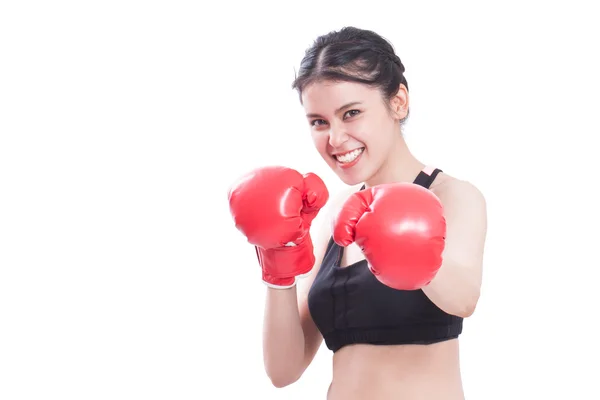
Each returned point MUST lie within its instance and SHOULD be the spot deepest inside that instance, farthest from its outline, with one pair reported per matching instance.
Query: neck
(401, 166)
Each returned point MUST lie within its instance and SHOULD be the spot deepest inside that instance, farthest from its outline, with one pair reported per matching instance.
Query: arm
(290, 337)
(456, 287)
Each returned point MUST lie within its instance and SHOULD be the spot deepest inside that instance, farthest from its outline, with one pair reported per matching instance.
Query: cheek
(320, 140)
(379, 134)
(365, 133)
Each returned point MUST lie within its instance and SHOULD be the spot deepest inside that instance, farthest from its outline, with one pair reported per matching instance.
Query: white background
(122, 124)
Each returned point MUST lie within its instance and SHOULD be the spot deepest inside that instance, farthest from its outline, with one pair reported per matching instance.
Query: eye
(352, 113)
(317, 122)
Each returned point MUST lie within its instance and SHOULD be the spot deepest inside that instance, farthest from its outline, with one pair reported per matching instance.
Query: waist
(384, 372)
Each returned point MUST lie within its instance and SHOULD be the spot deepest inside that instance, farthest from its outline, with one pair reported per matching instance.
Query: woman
(386, 342)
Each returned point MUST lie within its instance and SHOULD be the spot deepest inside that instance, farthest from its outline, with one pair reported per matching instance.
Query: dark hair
(354, 55)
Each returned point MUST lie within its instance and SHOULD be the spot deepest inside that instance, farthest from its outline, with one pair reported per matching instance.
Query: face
(352, 127)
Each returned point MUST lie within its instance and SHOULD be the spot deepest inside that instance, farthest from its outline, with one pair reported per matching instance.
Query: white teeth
(349, 157)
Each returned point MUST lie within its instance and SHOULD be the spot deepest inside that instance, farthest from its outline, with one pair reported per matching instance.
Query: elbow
(466, 311)
(467, 307)
(279, 384)
(280, 381)
(283, 369)
(282, 376)
(461, 304)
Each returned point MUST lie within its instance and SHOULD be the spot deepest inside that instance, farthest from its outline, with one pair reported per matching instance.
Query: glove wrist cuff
(278, 283)
(287, 262)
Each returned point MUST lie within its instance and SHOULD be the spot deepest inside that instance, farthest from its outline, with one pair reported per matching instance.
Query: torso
(400, 371)
(405, 372)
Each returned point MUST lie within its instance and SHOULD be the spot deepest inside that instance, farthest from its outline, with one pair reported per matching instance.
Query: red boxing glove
(401, 230)
(274, 208)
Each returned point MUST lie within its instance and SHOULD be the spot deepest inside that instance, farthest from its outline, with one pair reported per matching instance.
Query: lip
(350, 164)
(337, 153)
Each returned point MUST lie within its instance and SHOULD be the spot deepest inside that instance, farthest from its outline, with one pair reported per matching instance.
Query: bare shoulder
(466, 219)
(455, 193)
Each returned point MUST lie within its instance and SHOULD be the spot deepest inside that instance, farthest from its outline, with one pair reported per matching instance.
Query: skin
(344, 116)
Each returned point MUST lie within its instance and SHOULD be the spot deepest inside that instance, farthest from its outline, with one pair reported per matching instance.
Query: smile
(350, 156)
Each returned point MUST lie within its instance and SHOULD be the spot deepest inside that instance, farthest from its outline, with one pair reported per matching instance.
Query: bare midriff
(404, 372)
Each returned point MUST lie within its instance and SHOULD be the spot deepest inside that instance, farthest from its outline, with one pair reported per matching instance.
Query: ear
(399, 103)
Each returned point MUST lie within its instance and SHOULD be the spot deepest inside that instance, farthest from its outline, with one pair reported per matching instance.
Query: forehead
(326, 96)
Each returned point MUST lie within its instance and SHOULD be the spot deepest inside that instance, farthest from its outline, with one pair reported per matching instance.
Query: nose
(337, 136)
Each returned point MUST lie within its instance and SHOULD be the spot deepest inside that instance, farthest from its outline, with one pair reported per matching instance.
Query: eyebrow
(336, 111)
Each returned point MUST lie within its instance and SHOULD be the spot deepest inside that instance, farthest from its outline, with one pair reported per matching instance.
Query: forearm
(455, 289)
(283, 338)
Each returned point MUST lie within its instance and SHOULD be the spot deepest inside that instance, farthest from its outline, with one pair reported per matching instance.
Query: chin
(352, 174)
(350, 181)
(352, 177)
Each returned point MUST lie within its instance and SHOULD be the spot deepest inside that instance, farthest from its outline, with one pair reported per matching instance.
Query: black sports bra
(349, 305)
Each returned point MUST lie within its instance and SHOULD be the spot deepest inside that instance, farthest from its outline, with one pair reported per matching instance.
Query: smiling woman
(352, 82)
(395, 268)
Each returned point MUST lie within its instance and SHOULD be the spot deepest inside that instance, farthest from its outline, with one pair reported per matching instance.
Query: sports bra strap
(425, 177)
